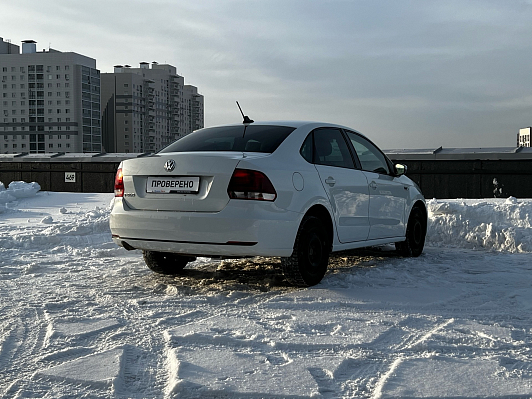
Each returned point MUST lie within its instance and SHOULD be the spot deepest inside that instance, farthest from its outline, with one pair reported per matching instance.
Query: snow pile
(493, 224)
(17, 189)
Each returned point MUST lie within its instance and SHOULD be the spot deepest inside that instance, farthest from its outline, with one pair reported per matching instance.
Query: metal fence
(469, 173)
(441, 173)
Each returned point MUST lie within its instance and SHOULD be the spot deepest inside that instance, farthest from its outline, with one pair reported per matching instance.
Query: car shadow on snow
(261, 274)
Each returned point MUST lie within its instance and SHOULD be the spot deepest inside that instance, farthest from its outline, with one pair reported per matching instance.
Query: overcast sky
(408, 74)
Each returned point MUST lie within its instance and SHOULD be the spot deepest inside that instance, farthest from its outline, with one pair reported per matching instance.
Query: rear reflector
(251, 185)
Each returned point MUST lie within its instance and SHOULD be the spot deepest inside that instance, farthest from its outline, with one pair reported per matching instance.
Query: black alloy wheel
(308, 263)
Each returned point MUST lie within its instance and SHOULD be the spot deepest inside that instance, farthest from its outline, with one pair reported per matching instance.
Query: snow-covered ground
(82, 318)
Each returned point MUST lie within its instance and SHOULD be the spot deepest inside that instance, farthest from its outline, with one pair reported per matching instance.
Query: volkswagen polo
(294, 190)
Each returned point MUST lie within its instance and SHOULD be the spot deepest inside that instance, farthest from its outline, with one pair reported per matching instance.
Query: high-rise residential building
(523, 137)
(49, 100)
(144, 109)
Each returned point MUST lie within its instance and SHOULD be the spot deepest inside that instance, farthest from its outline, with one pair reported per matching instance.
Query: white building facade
(49, 101)
(144, 109)
(523, 138)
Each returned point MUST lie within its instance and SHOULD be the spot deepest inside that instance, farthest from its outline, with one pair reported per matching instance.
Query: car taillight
(119, 183)
(251, 185)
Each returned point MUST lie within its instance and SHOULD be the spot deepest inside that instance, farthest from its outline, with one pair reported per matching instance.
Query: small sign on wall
(70, 177)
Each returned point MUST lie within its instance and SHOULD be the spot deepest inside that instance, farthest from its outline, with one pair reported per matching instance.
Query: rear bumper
(242, 228)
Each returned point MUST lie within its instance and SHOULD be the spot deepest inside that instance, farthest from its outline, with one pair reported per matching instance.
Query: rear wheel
(415, 234)
(308, 263)
(166, 262)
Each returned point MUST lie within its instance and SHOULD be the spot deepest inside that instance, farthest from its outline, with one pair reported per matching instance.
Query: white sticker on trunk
(181, 184)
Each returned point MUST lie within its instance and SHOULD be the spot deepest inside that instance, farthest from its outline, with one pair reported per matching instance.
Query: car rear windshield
(251, 138)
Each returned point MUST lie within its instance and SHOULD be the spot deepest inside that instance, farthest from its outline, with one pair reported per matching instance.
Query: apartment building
(144, 109)
(49, 100)
(523, 137)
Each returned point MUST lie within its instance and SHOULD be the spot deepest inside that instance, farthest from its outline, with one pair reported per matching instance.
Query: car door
(387, 194)
(346, 186)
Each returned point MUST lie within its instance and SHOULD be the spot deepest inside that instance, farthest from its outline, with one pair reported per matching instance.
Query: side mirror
(400, 169)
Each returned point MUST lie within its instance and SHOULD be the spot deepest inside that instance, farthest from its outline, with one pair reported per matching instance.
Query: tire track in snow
(23, 344)
(407, 346)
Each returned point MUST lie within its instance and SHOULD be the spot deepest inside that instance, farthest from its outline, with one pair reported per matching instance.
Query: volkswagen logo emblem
(169, 165)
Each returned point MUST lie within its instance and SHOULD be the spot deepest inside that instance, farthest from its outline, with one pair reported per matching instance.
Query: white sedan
(296, 190)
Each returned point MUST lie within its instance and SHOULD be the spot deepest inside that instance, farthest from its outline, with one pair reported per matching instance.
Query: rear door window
(330, 149)
(251, 138)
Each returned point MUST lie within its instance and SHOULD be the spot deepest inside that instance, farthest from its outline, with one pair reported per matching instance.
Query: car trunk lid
(213, 170)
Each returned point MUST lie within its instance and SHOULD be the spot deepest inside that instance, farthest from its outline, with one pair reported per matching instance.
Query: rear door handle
(330, 181)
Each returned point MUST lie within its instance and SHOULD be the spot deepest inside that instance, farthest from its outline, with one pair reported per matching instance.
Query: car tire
(416, 231)
(166, 262)
(308, 263)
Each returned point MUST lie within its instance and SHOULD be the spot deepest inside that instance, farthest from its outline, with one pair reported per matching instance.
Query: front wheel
(308, 263)
(166, 262)
(416, 231)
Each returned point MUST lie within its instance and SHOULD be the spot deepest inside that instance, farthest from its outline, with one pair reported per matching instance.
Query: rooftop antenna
(245, 117)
